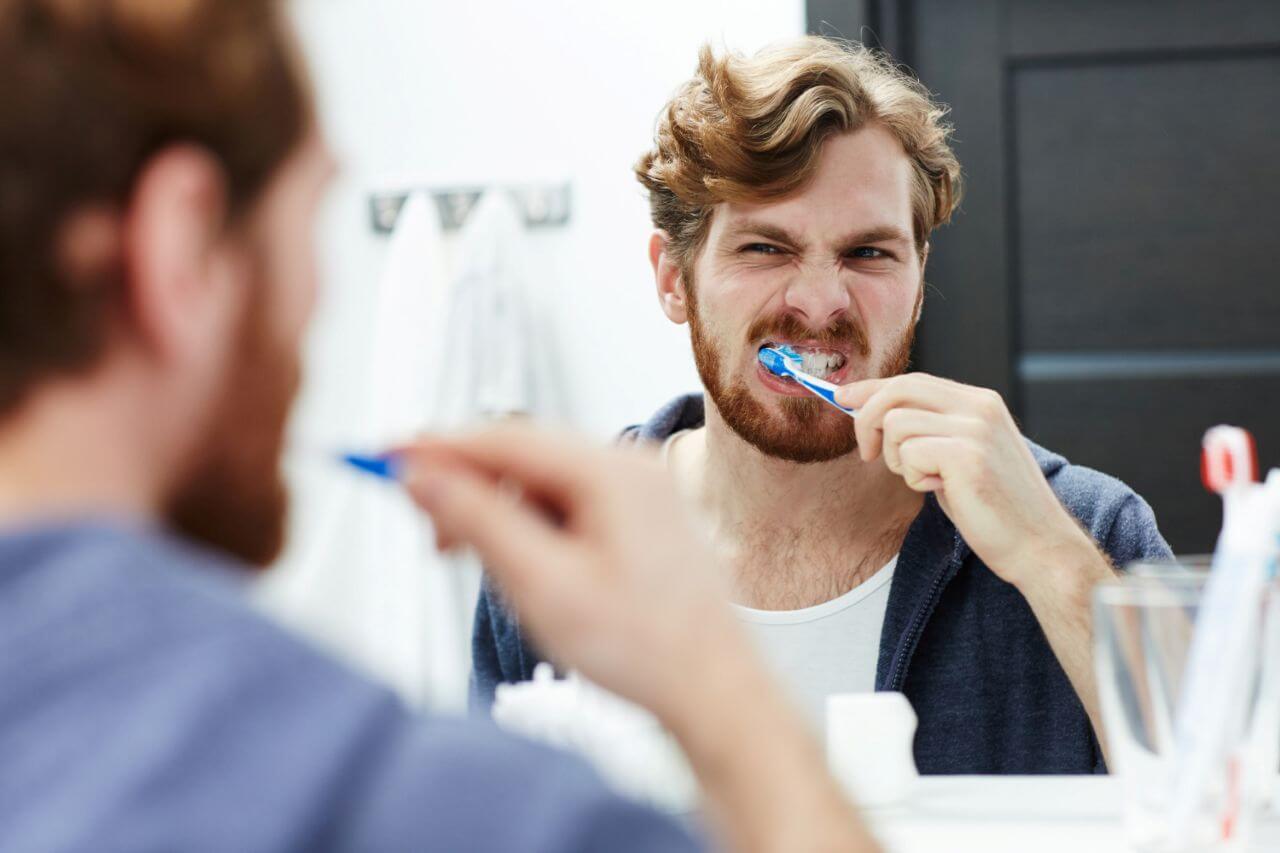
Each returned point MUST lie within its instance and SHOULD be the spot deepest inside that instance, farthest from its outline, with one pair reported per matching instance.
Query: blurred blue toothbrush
(384, 465)
(784, 361)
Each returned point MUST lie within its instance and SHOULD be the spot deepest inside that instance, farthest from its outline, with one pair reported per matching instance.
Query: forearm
(1060, 594)
(764, 778)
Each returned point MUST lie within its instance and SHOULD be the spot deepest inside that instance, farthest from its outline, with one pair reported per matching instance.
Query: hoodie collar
(684, 412)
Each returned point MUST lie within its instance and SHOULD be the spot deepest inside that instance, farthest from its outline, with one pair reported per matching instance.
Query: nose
(819, 296)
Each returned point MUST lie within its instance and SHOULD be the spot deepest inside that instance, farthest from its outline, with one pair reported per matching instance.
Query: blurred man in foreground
(159, 174)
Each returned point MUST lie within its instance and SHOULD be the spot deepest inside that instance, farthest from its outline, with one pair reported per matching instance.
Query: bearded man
(924, 546)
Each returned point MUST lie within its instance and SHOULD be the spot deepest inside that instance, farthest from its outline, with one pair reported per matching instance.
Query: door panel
(1112, 268)
(1146, 431)
(1142, 205)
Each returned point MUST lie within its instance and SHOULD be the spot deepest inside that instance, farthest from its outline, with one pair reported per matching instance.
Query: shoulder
(492, 791)
(144, 626)
(1117, 516)
(142, 660)
(688, 411)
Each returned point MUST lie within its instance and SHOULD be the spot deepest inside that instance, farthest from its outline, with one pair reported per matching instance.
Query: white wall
(479, 93)
(516, 90)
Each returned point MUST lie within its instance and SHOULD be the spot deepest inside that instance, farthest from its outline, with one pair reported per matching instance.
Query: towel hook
(540, 205)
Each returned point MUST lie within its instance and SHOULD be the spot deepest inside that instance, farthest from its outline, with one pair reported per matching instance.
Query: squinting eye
(868, 252)
(761, 248)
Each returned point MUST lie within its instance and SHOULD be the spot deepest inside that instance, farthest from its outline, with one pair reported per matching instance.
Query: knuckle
(992, 403)
(893, 421)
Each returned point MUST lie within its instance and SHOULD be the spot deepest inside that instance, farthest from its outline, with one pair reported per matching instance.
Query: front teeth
(821, 364)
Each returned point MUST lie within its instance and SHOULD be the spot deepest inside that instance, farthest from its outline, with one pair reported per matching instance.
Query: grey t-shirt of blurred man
(145, 706)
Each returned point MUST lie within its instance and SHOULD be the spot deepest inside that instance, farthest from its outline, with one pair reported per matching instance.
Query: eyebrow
(874, 234)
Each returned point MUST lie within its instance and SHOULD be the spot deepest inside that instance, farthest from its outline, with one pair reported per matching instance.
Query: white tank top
(829, 648)
(832, 647)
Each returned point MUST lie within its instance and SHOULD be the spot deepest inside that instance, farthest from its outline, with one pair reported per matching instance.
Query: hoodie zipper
(922, 615)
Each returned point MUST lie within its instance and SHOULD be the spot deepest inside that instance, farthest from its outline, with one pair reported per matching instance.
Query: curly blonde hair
(751, 129)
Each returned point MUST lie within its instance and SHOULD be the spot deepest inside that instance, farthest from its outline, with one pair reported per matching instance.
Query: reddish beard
(807, 429)
(233, 497)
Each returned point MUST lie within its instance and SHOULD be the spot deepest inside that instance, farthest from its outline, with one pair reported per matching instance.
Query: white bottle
(869, 746)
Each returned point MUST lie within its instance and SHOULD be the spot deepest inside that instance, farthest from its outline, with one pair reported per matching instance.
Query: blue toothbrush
(383, 465)
(784, 361)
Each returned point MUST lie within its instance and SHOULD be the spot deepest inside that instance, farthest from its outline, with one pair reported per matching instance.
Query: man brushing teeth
(925, 546)
(814, 360)
(827, 360)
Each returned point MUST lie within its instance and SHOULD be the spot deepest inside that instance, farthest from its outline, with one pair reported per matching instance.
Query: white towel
(487, 336)
(355, 576)
(368, 581)
(494, 371)
(409, 597)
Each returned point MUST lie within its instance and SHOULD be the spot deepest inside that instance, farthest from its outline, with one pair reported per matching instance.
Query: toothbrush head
(385, 465)
(779, 361)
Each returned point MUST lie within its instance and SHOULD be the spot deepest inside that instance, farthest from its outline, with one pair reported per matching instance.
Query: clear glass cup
(1142, 632)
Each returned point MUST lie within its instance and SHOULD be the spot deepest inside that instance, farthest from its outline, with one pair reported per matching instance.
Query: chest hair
(792, 566)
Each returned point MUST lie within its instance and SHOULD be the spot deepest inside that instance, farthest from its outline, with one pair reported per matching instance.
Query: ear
(183, 277)
(669, 279)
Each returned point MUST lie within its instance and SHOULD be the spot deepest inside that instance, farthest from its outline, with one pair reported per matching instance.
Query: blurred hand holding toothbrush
(593, 550)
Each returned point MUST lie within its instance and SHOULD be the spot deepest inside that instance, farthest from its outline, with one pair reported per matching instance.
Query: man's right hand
(594, 550)
(595, 555)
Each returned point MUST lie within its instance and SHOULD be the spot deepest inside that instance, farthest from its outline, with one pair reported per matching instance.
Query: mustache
(844, 330)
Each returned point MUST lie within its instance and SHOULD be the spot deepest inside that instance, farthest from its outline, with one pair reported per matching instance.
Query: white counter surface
(1018, 814)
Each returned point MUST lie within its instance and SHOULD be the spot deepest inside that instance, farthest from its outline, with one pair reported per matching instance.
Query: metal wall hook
(540, 205)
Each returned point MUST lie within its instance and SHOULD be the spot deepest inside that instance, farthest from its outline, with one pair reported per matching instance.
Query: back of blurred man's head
(159, 171)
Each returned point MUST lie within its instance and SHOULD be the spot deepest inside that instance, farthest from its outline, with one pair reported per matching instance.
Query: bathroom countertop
(1016, 814)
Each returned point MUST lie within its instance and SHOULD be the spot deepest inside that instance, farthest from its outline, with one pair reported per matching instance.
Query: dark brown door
(1112, 270)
